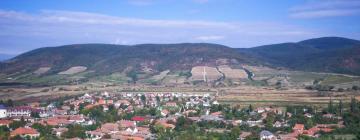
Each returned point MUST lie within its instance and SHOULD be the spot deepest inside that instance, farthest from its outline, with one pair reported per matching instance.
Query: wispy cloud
(24, 31)
(326, 8)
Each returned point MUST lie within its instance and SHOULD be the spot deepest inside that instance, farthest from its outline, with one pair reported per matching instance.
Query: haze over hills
(5, 56)
(328, 54)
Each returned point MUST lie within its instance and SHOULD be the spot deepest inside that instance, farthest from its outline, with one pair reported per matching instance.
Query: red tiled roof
(138, 118)
(216, 113)
(5, 122)
(23, 131)
(298, 127)
(126, 123)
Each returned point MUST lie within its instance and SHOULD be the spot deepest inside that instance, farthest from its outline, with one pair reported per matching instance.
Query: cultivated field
(211, 73)
(233, 73)
(245, 96)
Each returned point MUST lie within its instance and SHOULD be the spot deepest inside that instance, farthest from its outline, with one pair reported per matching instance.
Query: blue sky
(30, 24)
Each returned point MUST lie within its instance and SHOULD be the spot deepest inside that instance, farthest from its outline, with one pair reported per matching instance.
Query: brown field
(161, 75)
(233, 73)
(212, 73)
(74, 70)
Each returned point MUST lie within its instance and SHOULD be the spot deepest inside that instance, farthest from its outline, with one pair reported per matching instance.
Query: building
(25, 132)
(267, 135)
(20, 111)
(59, 131)
(3, 111)
(5, 122)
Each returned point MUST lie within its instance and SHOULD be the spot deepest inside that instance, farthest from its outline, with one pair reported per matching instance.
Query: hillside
(137, 62)
(328, 54)
(185, 63)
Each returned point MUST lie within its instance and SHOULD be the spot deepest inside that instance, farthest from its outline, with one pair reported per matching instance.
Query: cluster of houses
(170, 106)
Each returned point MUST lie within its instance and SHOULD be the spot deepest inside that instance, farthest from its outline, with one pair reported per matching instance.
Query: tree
(158, 99)
(4, 133)
(143, 98)
(17, 124)
(269, 120)
(75, 131)
(353, 105)
(355, 88)
(330, 106)
(35, 114)
(250, 108)
(341, 107)
(180, 123)
(234, 133)
(10, 103)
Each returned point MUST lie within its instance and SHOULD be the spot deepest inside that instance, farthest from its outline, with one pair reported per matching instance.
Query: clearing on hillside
(210, 73)
(42, 70)
(74, 70)
(233, 73)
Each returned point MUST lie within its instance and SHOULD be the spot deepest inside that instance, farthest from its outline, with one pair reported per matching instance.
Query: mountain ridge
(307, 55)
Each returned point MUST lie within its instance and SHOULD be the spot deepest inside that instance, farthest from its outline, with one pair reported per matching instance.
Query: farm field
(265, 96)
(233, 73)
(212, 73)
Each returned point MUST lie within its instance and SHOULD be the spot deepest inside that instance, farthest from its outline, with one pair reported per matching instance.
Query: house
(215, 103)
(267, 135)
(243, 135)
(19, 111)
(328, 116)
(216, 113)
(171, 104)
(164, 112)
(3, 111)
(164, 124)
(25, 132)
(260, 110)
(5, 122)
(277, 124)
(211, 118)
(127, 123)
(95, 135)
(110, 128)
(59, 131)
(298, 128)
(308, 115)
(138, 119)
(187, 112)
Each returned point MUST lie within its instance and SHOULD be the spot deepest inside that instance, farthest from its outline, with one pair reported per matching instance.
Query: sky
(29, 24)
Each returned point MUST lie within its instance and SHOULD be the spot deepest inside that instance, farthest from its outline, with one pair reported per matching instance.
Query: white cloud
(326, 8)
(52, 28)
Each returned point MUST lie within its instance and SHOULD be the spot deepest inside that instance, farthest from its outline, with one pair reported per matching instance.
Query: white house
(3, 111)
(19, 111)
(267, 135)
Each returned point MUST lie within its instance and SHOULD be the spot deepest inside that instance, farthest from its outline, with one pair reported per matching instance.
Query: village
(140, 116)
